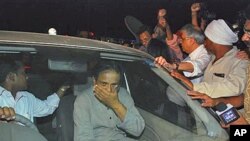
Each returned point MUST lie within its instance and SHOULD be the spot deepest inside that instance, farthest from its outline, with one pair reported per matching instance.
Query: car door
(167, 115)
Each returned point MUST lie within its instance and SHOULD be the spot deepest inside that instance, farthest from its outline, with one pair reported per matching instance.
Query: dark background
(103, 17)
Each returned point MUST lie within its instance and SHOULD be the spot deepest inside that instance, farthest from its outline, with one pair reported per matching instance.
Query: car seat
(64, 118)
(64, 113)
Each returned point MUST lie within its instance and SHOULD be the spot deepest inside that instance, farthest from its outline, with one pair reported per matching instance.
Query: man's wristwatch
(176, 66)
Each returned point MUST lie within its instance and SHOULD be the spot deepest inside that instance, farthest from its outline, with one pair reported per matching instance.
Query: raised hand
(162, 22)
(195, 7)
(162, 12)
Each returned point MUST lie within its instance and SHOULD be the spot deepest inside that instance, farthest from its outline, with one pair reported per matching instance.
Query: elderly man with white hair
(225, 75)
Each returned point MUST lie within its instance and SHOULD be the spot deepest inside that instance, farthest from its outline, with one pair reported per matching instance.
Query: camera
(226, 112)
(205, 13)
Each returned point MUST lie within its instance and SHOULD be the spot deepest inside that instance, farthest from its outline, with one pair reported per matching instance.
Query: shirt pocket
(218, 77)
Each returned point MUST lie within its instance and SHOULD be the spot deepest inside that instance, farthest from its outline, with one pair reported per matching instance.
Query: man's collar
(3, 91)
(196, 51)
(8, 93)
(232, 50)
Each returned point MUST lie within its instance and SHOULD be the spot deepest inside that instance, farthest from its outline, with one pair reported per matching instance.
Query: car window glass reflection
(150, 94)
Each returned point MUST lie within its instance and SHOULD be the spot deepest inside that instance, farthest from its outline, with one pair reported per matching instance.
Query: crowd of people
(215, 70)
(212, 67)
(205, 56)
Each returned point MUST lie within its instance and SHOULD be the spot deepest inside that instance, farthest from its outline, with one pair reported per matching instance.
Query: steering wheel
(25, 121)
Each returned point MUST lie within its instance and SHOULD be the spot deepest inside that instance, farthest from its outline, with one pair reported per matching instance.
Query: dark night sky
(104, 17)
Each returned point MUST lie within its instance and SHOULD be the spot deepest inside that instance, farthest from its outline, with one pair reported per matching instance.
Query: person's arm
(46, 107)
(207, 101)
(203, 24)
(197, 66)
(186, 66)
(236, 101)
(169, 32)
(171, 39)
(61, 91)
(162, 62)
(133, 122)
(194, 14)
(163, 23)
(83, 129)
(185, 80)
(182, 66)
(174, 45)
(194, 67)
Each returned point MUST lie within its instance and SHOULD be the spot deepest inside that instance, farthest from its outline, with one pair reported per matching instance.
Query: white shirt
(199, 58)
(224, 78)
(27, 105)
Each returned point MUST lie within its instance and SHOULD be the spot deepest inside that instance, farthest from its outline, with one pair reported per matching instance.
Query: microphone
(226, 112)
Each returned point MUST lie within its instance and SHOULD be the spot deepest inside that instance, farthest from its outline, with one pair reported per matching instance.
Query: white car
(170, 114)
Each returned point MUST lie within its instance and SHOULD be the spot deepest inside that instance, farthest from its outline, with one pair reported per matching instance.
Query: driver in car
(106, 111)
(15, 99)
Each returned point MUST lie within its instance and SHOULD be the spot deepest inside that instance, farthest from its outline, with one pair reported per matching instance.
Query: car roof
(41, 39)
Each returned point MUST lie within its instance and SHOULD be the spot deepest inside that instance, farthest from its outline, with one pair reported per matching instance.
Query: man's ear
(11, 77)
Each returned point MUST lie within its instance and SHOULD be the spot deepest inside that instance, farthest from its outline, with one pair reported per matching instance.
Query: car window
(152, 94)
